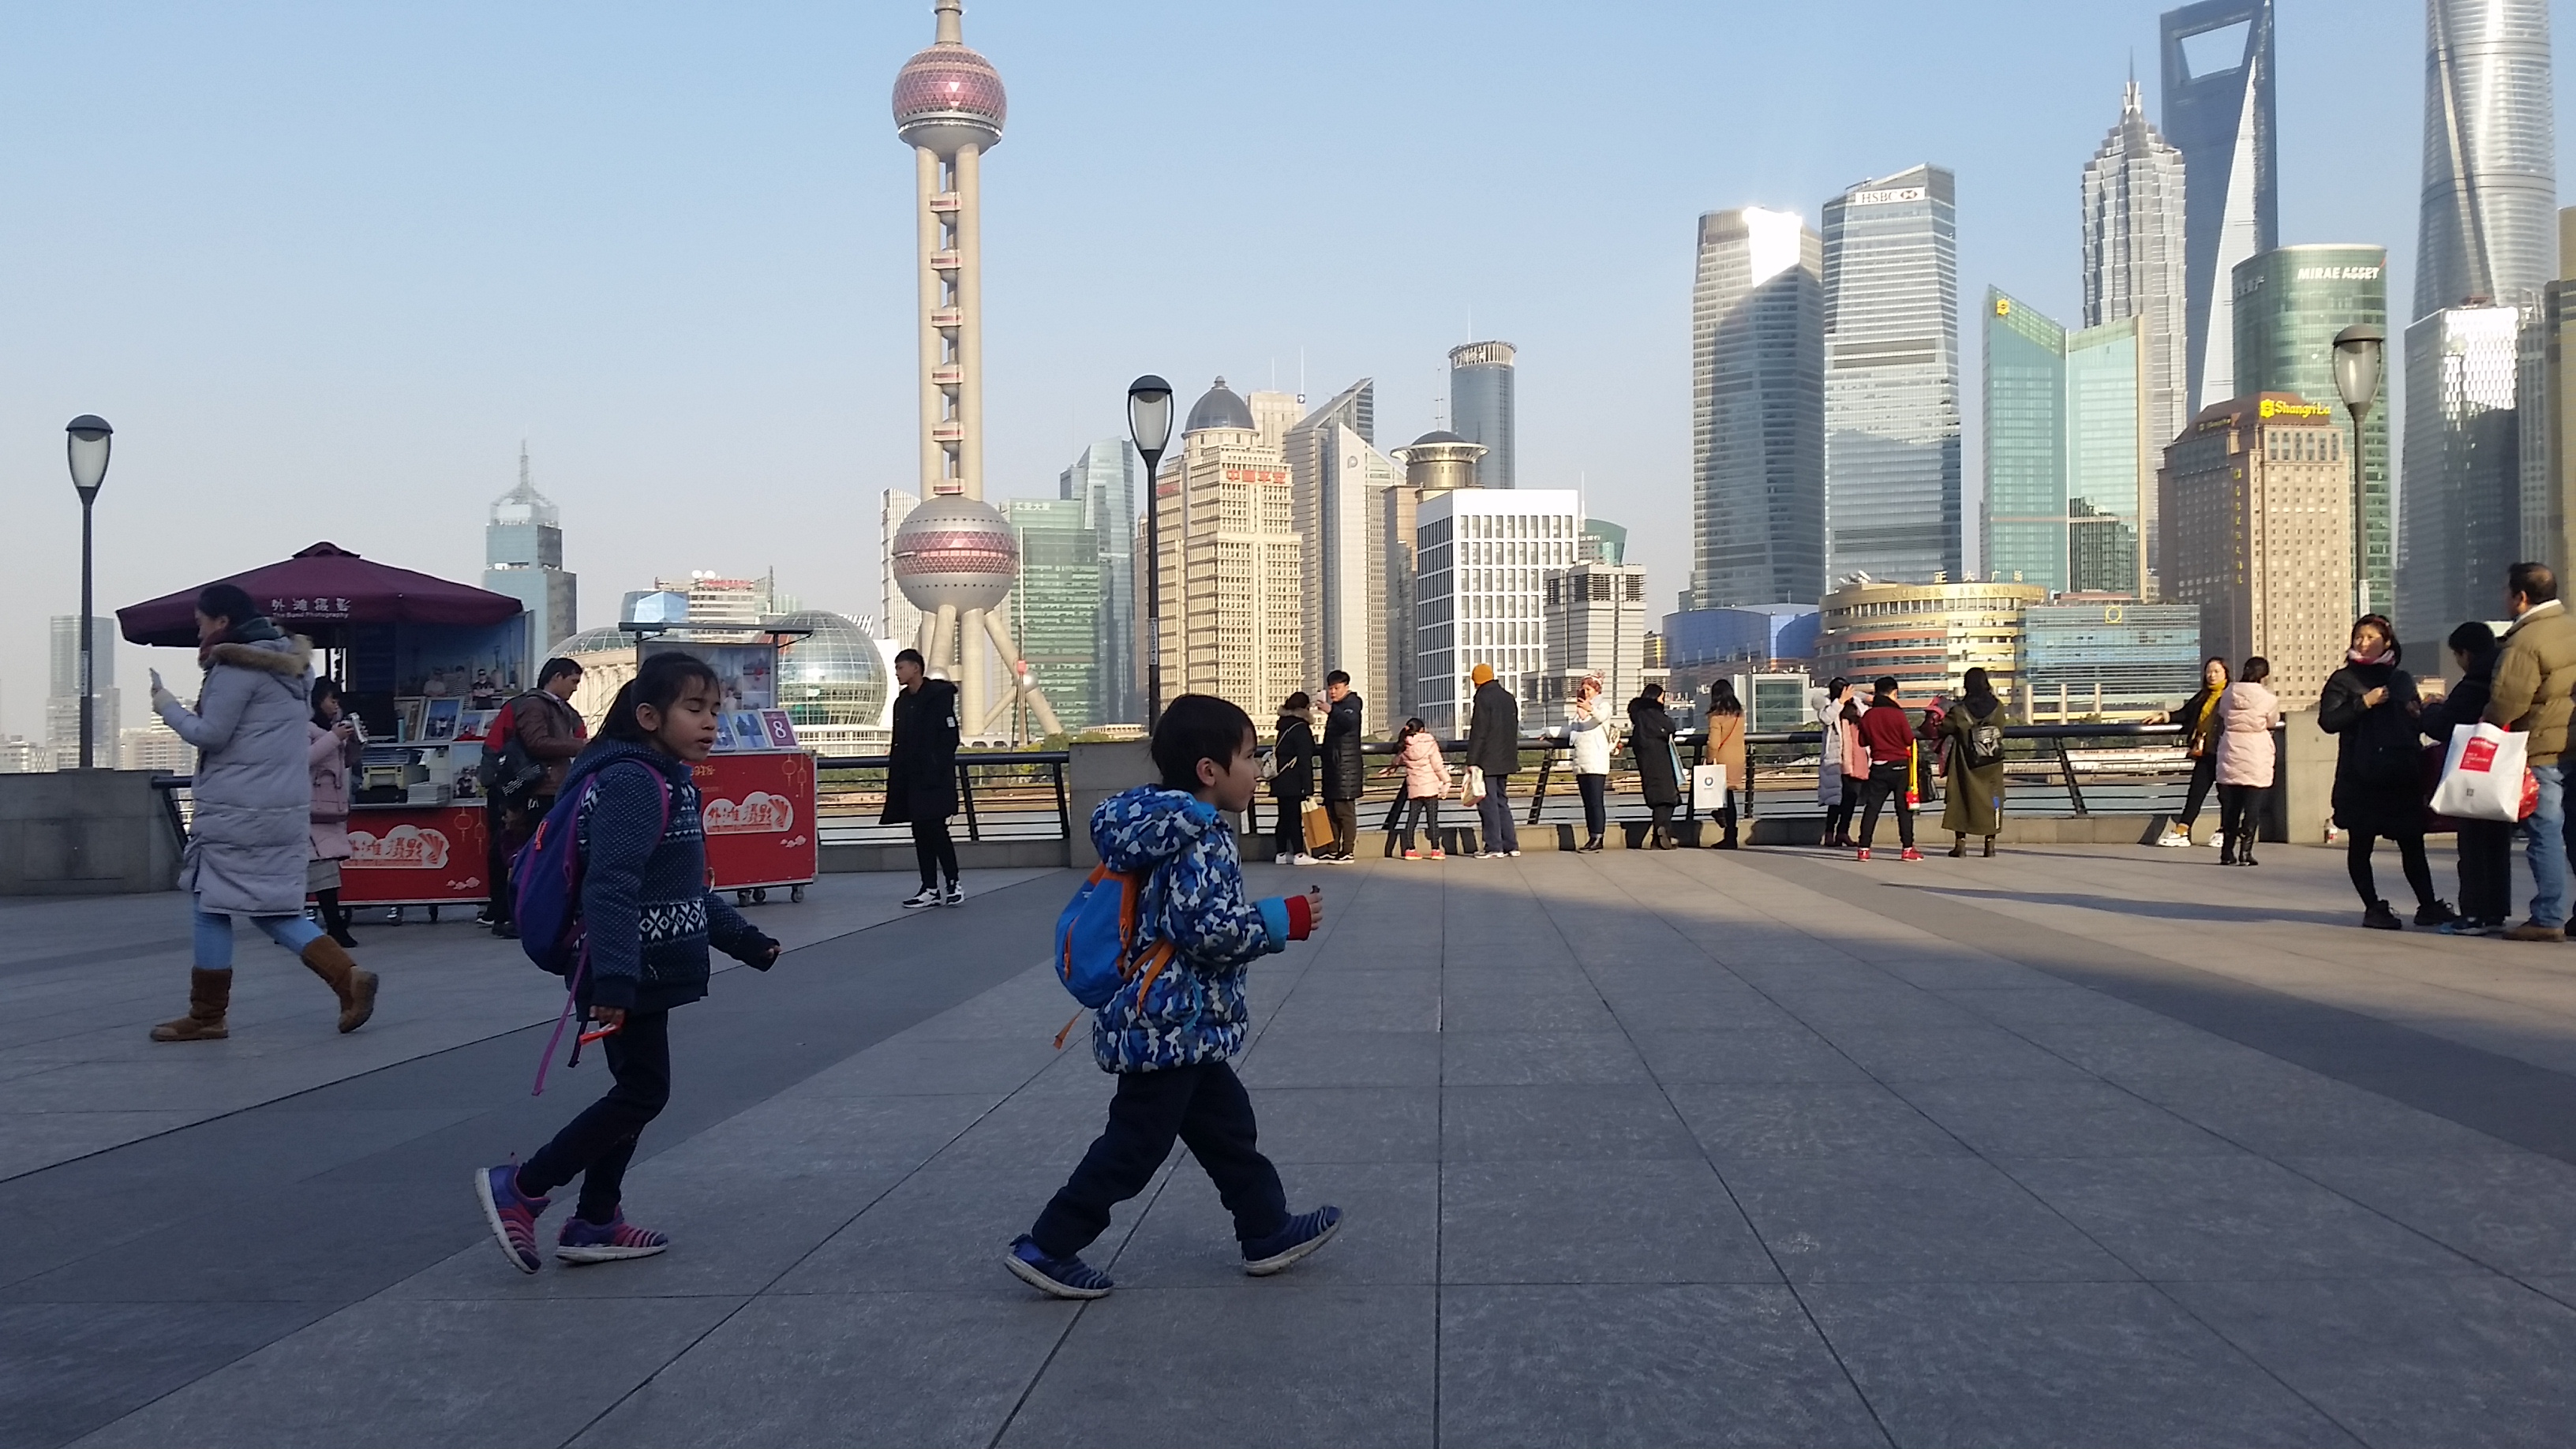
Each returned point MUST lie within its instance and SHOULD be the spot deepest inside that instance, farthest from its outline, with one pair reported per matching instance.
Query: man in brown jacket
(549, 731)
(2535, 692)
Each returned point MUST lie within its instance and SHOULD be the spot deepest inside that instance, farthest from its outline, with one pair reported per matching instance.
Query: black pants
(936, 852)
(1346, 825)
(597, 1145)
(2410, 854)
(2486, 869)
(2204, 773)
(1887, 782)
(496, 860)
(1660, 828)
(1595, 790)
(511, 827)
(2237, 805)
(335, 916)
(1422, 812)
(1726, 818)
(1291, 834)
(1205, 1107)
(1838, 816)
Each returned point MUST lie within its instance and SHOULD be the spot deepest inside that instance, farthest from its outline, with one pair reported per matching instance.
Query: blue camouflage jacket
(1193, 1011)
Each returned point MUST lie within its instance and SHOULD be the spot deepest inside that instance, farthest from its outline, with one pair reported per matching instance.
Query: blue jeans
(2544, 845)
(1495, 812)
(214, 936)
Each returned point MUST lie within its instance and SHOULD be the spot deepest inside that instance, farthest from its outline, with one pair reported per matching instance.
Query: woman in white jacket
(1588, 729)
(2247, 714)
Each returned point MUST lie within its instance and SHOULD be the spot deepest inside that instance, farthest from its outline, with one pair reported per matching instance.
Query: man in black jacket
(1342, 770)
(1494, 749)
(921, 776)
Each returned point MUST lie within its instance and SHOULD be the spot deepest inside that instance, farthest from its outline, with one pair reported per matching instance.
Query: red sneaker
(1864, 852)
(1911, 854)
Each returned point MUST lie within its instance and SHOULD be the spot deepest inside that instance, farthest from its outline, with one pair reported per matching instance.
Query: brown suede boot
(355, 988)
(209, 994)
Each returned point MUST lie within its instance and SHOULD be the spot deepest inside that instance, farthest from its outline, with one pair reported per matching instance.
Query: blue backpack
(545, 881)
(1095, 941)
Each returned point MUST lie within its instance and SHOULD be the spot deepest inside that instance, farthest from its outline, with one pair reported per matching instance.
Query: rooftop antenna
(1301, 376)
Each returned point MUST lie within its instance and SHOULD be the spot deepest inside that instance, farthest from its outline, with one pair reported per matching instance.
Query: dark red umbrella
(325, 588)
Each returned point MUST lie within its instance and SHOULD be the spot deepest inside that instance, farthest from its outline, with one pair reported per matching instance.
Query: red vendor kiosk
(758, 788)
(423, 664)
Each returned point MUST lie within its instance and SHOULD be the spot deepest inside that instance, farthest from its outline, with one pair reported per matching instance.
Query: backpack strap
(581, 963)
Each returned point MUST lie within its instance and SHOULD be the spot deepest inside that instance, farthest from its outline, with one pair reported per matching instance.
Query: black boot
(1958, 846)
(335, 917)
(2435, 913)
(1990, 847)
(2380, 918)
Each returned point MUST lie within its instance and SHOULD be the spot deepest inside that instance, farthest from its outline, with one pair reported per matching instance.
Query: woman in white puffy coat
(1588, 729)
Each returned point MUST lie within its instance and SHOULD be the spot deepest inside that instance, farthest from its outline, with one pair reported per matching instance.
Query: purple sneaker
(583, 1241)
(1304, 1234)
(512, 1214)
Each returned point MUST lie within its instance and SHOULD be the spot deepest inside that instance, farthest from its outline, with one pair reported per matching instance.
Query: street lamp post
(2359, 351)
(1149, 423)
(89, 440)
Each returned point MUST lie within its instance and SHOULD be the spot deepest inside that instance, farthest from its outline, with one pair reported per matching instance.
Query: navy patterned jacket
(645, 903)
(1193, 1010)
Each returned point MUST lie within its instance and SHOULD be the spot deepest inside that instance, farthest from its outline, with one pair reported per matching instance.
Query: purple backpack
(545, 880)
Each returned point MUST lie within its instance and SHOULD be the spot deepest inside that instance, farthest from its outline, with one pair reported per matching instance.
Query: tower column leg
(970, 668)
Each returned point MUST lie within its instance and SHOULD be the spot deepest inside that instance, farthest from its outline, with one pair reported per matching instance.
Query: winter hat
(1483, 674)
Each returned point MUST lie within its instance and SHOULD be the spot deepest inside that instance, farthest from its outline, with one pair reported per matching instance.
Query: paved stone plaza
(2101, 1146)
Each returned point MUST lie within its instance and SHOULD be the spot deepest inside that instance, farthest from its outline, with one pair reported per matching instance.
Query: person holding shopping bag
(2486, 846)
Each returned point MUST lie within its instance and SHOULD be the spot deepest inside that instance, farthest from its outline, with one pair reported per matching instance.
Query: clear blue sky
(323, 264)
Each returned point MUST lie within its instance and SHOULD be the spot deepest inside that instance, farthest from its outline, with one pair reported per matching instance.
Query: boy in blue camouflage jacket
(1170, 1036)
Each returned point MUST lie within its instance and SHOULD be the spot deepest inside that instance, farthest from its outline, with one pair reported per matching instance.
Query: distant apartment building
(2258, 535)
(1593, 625)
(1757, 410)
(2104, 658)
(1233, 569)
(1481, 597)
(1893, 493)
(155, 746)
(1927, 636)
(1342, 485)
(20, 755)
(63, 695)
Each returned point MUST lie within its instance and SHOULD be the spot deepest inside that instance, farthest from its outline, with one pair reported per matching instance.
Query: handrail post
(2066, 763)
(966, 793)
(1538, 797)
(1063, 802)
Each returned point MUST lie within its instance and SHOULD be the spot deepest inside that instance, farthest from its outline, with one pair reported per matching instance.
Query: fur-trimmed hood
(290, 654)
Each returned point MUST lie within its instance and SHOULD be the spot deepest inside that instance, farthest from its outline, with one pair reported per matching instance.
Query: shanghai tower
(2218, 113)
(2489, 228)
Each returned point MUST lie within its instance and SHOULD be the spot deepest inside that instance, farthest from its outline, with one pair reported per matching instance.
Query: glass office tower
(1055, 604)
(2218, 113)
(2066, 456)
(1757, 411)
(2490, 155)
(1480, 407)
(1108, 481)
(2462, 509)
(2290, 302)
(1892, 462)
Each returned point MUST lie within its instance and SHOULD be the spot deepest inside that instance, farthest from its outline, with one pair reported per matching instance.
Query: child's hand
(1314, 907)
(766, 956)
(608, 1015)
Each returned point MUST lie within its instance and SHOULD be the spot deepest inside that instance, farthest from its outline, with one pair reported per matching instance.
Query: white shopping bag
(1708, 788)
(2482, 775)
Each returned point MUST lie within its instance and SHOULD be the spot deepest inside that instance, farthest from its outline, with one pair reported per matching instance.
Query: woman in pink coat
(2247, 714)
(1426, 779)
(332, 747)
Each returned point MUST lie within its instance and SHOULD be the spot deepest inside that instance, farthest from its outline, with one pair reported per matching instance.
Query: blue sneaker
(2471, 926)
(1055, 1277)
(615, 1240)
(1304, 1234)
(511, 1214)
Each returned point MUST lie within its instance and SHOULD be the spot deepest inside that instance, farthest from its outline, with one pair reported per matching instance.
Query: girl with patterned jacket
(1171, 1031)
(647, 918)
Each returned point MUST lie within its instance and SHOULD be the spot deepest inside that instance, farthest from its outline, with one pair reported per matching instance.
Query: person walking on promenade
(1659, 768)
(1726, 747)
(537, 734)
(2370, 706)
(331, 748)
(1170, 1034)
(2534, 692)
(2199, 720)
(1426, 779)
(921, 777)
(1494, 751)
(1972, 743)
(647, 916)
(1292, 775)
(2486, 846)
(253, 828)
(1890, 738)
(1588, 736)
(1345, 776)
(1844, 757)
(2247, 714)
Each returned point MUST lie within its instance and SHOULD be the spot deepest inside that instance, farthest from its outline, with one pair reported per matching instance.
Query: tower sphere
(948, 97)
(953, 552)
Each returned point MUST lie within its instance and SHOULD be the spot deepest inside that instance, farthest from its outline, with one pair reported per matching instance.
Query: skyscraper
(2462, 518)
(1757, 410)
(2068, 462)
(1341, 480)
(897, 617)
(2134, 248)
(2218, 113)
(1056, 603)
(1107, 480)
(1891, 286)
(2289, 304)
(2490, 155)
(63, 696)
(1486, 554)
(2258, 533)
(1234, 575)
(1480, 407)
(523, 558)
(2545, 397)
(1438, 462)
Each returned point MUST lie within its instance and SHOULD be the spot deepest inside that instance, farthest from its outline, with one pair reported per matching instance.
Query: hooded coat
(1345, 776)
(2378, 779)
(921, 769)
(1426, 770)
(1294, 776)
(1193, 1010)
(253, 790)
(2246, 714)
(1650, 735)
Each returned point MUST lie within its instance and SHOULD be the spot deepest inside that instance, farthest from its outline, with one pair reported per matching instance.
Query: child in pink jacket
(1426, 779)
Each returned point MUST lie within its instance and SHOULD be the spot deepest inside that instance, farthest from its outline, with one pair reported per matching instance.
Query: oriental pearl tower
(955, 557)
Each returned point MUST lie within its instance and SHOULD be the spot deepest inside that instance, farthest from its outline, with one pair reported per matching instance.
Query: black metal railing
(1003, 795)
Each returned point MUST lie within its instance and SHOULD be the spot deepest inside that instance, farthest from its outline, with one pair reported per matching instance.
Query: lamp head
(88, 447)
(1149, 415)
(2359, 351)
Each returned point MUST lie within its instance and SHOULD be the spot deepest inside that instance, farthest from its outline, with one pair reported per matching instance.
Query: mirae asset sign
(1882, 198)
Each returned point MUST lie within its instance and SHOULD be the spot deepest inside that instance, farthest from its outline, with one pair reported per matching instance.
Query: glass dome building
(833, 682)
